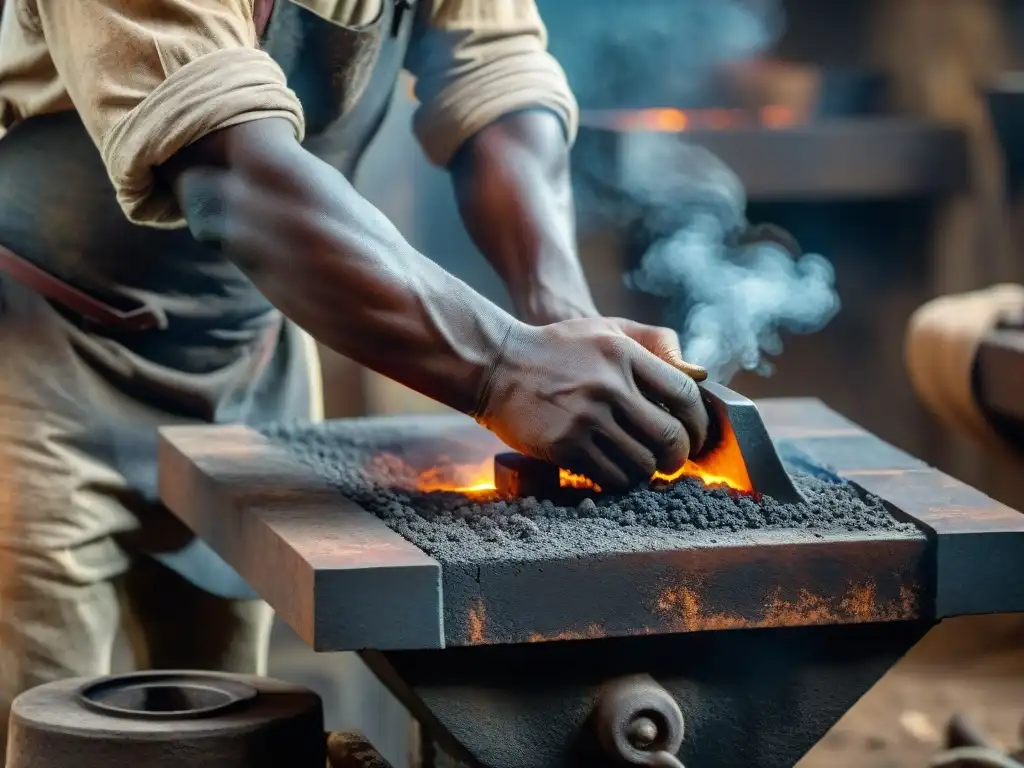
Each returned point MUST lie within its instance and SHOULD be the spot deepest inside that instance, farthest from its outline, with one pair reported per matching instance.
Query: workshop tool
(167, 719)
(738, 450)
(967, 746)
(522, 655)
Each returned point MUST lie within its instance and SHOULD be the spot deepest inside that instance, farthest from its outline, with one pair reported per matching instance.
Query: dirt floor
(974, 666)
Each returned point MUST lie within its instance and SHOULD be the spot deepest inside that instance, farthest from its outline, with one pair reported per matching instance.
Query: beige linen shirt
(149, 77)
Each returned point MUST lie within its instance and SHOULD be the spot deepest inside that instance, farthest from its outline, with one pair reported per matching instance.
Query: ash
(456, 528)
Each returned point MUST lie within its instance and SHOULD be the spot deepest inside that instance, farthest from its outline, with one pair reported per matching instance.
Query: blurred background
(887, 136)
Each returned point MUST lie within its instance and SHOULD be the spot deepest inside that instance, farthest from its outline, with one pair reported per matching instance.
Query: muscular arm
(197, 125)
(496, 110)
(515, 196)
(333, 263)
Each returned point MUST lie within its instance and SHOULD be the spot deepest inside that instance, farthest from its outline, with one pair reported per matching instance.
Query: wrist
(511, 338)
(543, 305)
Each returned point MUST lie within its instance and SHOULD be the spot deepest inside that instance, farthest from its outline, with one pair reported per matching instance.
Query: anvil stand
(760, 644)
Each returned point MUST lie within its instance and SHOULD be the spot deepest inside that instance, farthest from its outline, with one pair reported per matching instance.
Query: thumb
(663, 343)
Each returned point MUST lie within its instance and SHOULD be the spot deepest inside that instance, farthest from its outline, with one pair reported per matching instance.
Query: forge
(683, 621)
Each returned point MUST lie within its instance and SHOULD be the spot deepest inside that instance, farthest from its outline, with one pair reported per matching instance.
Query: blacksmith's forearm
(334, 264)
(514, 189)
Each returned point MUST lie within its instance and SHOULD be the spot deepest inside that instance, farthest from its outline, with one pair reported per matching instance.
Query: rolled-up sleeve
(150, 77)
(476, 61)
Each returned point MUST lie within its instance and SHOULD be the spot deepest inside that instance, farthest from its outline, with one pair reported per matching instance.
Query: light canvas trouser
(71, 527)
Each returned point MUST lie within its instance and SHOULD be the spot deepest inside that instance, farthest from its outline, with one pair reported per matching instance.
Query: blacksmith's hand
(609, 398)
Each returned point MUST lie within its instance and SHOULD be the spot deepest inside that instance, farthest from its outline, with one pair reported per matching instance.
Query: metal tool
(738, 447)
(638, 723)
(739, 438)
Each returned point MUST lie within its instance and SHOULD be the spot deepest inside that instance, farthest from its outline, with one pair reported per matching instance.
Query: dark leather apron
(159, 294)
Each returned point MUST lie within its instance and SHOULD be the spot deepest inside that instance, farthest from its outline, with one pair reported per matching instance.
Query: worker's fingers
(594, 464)
(662, 433)
(587, 459)
(662, 342)
(676, 391)
(632, 456)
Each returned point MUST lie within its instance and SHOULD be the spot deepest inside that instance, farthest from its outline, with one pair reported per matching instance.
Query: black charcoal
(459, 528)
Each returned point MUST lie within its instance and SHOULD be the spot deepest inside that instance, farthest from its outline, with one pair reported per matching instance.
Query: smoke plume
(729, 300)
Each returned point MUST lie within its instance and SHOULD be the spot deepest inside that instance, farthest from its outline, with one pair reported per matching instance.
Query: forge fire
(513, 475)
(446, 503)
(720, 469)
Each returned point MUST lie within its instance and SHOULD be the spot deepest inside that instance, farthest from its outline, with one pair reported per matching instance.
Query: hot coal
(455, 527)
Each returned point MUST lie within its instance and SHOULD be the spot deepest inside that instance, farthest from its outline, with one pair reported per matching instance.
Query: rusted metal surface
(975, 540)
(284, 521)
(763, 637)
(765, 581)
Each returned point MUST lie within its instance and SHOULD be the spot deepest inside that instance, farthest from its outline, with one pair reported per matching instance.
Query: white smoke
(729, 302)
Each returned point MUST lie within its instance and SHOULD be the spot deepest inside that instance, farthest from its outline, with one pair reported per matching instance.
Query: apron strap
(28, 274)
(261, 11)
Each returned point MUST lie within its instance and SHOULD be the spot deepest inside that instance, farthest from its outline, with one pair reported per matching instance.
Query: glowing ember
(668, 120)
(567, 479)
(459, 478)
(722, 467)
(710, 479)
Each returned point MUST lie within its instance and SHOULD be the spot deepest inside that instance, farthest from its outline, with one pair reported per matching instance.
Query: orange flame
(459, 478)
(670, 120)
(722, 467)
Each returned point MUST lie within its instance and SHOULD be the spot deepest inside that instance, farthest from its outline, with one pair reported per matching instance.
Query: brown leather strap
(261, 11)
(28, 274)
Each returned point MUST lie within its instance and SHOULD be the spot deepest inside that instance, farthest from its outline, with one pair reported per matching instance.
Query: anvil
(763, 639)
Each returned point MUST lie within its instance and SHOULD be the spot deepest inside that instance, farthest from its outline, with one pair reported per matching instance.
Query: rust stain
(910, 606)
(593, 632)
(477, 623)
(682, 610)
